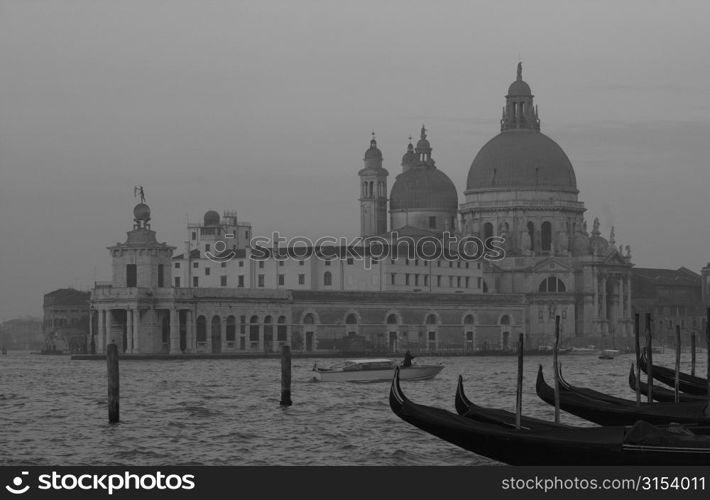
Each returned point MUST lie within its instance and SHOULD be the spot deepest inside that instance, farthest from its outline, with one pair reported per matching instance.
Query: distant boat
(579, 351)
(373, 370)
(608, 353)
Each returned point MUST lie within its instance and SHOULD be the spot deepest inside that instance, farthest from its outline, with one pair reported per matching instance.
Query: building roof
(67, 297)
(521, 159)
(423, 187)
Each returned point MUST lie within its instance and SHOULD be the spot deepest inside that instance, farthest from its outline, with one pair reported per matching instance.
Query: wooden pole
(676, 392)
(113, 386)
(637, 342)
(555, 367)
(519, 393)
(692, 354)
(286, 376)
(707, 347)
(649, 355)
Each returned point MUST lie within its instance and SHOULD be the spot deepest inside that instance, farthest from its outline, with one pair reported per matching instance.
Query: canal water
(53, 411)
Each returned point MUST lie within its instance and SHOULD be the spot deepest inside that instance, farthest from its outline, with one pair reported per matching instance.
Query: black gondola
(689, 384)
(641, 444)
(625, 413)
(467, 408)
(661, 393)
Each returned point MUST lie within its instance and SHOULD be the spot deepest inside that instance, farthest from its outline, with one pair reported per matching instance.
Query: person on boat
(407, 360)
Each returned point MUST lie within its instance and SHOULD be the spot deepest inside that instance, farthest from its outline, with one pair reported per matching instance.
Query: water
(53, 411)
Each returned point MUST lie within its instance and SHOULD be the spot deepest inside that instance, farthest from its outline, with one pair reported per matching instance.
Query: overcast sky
(266, 107)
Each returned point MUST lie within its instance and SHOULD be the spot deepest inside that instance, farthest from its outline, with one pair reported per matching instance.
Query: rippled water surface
(53, 411)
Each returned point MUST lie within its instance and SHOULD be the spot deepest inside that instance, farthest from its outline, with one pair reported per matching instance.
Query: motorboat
(374, 370)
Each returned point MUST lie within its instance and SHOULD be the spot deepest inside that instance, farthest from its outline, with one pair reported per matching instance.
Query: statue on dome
(628, 251)
(611, 235)
(138, 191)
(595, 227)
(520, 70)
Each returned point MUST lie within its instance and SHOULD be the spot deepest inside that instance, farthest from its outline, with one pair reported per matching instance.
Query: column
(595, 280)
(223, 334)
(604, 325)
(136, 329)
(109, 327)
(629, 311)
(620, 315)
(174, 332)
(129, 330)
(100, 338)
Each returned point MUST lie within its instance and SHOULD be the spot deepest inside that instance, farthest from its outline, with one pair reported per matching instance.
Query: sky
(266, 107)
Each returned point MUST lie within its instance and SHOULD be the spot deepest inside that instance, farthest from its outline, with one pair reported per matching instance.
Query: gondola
(609, 413)
(661, 393)
(591, 393)
(641, 444)
(466, 408)
(689, 384)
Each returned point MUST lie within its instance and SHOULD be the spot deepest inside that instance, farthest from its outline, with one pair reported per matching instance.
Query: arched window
(327, 279)
(308, 319)
(201, 329)
(531, 233)
(281, 330)
(487, 230)
(254, 329)
(505, 320)
(392, 319)
(546, 236)
(552, 285)
(468, 320)
(431, 319)
(231, 328)
(351, 319)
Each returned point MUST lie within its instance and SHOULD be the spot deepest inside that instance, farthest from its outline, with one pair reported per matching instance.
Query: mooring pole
(692, 354)
(707, 347)
(637, 345)
(649, 355)
(555, 367)
(519, 393)
(286, 376)
(677, 363)
(113, 386)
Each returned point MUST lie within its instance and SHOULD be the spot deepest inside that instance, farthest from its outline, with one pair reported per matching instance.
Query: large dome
(423, 187)
(522, 158)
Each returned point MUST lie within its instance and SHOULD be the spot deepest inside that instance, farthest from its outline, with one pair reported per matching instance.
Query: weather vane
(138, 191)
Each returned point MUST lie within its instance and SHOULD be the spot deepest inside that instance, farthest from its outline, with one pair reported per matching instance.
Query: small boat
(661, 394)
(619, 411)
(608, 353)
(640, 444)
(688, 383)
(581, 351)
(373, 370)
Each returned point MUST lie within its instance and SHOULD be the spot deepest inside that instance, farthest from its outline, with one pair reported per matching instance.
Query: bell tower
(373, 193)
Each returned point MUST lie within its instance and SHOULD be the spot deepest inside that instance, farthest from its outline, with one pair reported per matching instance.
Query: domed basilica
(521, 186)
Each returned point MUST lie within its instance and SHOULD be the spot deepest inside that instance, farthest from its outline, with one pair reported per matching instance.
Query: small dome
(520, 159)
(423, 187)
(211, 218)
(409, 158)
(519, 87)
(141, 212)
(373, 153)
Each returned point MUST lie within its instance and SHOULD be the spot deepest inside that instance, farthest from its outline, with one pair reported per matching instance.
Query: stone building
(66, 320)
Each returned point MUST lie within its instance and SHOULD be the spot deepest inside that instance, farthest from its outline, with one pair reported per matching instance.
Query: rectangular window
(281, 263)
(161, 276)
(260, 279)
(301, 279)
(406, 279)
(468, 281)
(438, 281)
(416, 280)
(261, 264)
(131, 275)
(300, 262)
(207, 271)
(432, 222)
(223, 281)
(195, 282)
(478, 282)
(451, 281)
(241, 263)
(177, 265)
(458, 282)
(240, 283)
(224, 264)
(350, 261)
(207, 247)
(451, 264)
(327, 262)
(195, 265)
(282, 279)
(466, 265)
(393, 279)
(177, 281)
(426, 280)
(194, 235)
